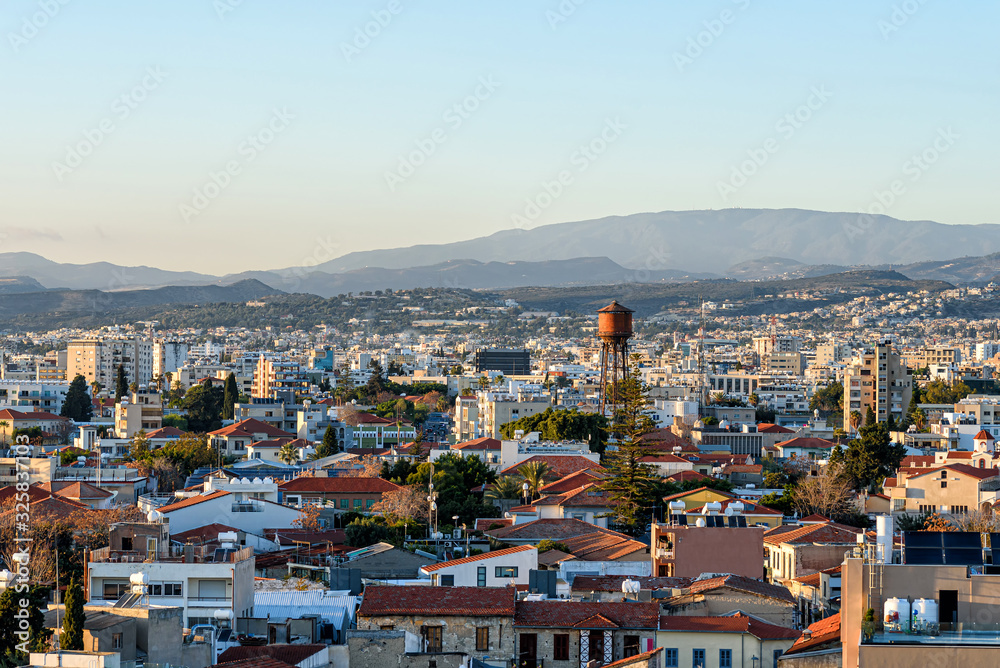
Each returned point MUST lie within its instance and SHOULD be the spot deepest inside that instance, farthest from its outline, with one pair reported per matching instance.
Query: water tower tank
(925, 610)
(614, 322)
(897, 615)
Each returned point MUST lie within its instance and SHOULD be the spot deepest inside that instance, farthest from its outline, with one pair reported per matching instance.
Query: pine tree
(77, 405)
(329, 446)
(229, 398)
(630, 483)
(121, 384)
(72, 631)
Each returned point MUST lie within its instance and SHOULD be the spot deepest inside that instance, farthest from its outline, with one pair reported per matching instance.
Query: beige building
(932, 355)
(953, 489)
(141, 411)
(497, 409)
(784, 363)
(877, 379)
(792, 552)
(466, 418)
(831, 353)
(274, 376)
(98, 359)
(736, 640)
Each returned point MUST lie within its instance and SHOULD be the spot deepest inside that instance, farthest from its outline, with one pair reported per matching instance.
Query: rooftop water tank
(897, 615)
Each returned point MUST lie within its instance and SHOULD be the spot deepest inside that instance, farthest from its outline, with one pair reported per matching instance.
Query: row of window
(671, 658)
(115, 590)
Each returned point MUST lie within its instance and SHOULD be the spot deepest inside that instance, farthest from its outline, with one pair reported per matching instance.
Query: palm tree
(288, 454)
(534, 474)
(498, 381)
(484, 382)
(3, 430)
(855, 419)
(919, 419)
(96, 388)
(718, 397)
(753, 398)
(506, 487)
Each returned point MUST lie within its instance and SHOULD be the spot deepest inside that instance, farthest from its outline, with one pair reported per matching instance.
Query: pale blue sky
(683, 127)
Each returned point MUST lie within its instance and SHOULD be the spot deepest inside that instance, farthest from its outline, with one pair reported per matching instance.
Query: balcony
(179, 554)
(248, 507)
(663, 553)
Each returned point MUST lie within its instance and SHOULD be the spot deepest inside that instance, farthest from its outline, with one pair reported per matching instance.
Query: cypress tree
(77, 405)
(72, 631)
(121, 384)
(229, 398)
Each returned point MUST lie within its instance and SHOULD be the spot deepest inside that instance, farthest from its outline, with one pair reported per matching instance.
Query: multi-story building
(98, 360)
(877, 379)
(933, 356)
(831, 353)
(793, 364)
(141, 411)
(765, 345)
(466, 418)
(168, 356)
(44, 395)
(276, 377)
(507, 361)
(498, 408)
(688, 550)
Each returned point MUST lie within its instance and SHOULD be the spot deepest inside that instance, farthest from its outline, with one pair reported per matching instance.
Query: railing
(662, 553)
(246, 507)
(155, 500)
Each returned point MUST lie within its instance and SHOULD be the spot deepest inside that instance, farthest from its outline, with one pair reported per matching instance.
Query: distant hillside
(72, 303)
(17, 284)
(93, 276)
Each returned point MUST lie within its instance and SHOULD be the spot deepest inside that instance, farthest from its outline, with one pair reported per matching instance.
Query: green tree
(204, 408)
(506, 487)
(366, 531)
(71, 637)
(563, 425)
(230, 395)
(10, 607)
(534, 474)
(174, 420)
(121, 384)
(547, 544)
(288, 454)
(77, 405)
(828, 399)
(869, 459)
(329, 445)
(630, 483)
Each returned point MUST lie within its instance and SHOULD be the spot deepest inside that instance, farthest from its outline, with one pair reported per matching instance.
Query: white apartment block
(45, 395)
(168, 356)
(99, 358)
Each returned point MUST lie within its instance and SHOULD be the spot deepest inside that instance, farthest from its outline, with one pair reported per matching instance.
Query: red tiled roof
(430, 568)
(586, 614)
(484, 443)
(338, 485)
(814, 533)
(602, 546)
(821, 632)
(965, 469)
(983, 435)
(636, 658)
(191, 501)
(768, 428)
(204, 534)
(572, 481)
(75, 490)
(806, 442)
(737, 623)
(251, 426)
(663, 458)
(560, 466)
(814, 518)
(288, 654)
(557, 529)
(165, 432)
(254, 662)
(744, 584)
(11, 414)
(482, 524)
(682, 476)
(437, 601)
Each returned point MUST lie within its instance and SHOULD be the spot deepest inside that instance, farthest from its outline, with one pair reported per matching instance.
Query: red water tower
(614, 329)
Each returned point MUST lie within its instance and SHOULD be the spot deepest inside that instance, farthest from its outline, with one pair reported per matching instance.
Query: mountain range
(666, 247)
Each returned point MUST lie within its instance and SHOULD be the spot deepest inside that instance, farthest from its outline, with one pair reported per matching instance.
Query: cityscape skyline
(226, 123)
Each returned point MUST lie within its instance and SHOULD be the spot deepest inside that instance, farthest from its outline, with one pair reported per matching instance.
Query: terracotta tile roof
(251, 426)
(916, 461)
(613, 583)
(814, 518)
(437, 601)
(806, 442)
(578, 614)
(964, 469)
(572, 481)
(814, 533)
(165, 432)
(560, 466)
(253, 662)
(742, 468)
(637, 658)
(11, 414)
(289, 654)
(744, 584)
(557, 529)
(484, 524)
(663, 458)
(811, 580)
(681, 495)
(484, 443)
(338, 485)
(588, 495)
(430, 568)
(74, 490)
(601, 546)
(191, 501)
(737, 623)
(768, 428)
(821, 632)
(682, 476)
(204, 534)
(983, 435)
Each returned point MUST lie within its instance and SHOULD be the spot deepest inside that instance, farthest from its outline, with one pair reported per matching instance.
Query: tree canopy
(77, 405)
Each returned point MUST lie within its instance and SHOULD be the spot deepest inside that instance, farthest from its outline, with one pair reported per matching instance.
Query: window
(345, 504)
(596, 646)
(698, 658)
(113, 590)
(116, 641)
(126, 544)
(506, 571)
(944, 483)
(432, 635)
(173, 589)
(898, 505)
(777, 655)
(357, 504)
(369, 503)
(725, 658)
(448, 580)
(630, 646)
(561, 650)
(481, 576)
(671, 657)
(388, 627)
(482, 638)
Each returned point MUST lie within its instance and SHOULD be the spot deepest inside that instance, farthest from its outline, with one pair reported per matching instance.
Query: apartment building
(98, 359)
(933, 356)
(168, 356)
(141, 411)
(498, 408)
(466, 418)
(765, 345)
(276, 377)
(793, 364)
(877, 379)
(831, 353)
(44, 395)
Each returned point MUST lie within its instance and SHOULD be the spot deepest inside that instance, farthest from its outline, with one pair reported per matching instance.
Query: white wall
(466, 575)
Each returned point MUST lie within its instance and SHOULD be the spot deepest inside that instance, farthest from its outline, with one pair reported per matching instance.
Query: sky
(225, 135)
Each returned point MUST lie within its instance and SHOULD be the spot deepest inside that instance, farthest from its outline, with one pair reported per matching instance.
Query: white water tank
(883, 538)
(897, 615)
(139, 578)
(712, 508)
(738, 507)
(630, 586)
(676, 507)
(700, 522)
(925, 610)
